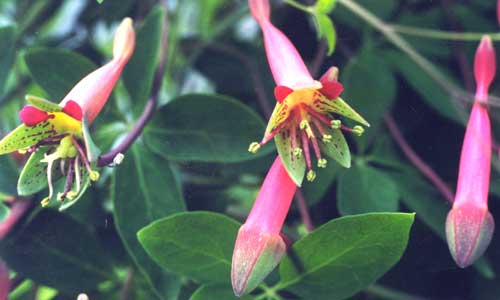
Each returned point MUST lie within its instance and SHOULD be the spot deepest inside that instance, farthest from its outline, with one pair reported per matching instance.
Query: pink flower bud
(469, 226)
(259, 245)
(92, 92)
(484, 67)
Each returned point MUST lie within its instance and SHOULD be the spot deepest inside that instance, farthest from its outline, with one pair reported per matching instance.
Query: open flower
(306, 111)
(469, 226)
(259, 245)
(57, 135)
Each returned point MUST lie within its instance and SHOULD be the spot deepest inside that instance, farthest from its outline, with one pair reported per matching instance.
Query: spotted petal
(295, 167)
(337, 106)
(33, 177)
(337, 148)
(43, 104)
(280, 114)
(26, 136)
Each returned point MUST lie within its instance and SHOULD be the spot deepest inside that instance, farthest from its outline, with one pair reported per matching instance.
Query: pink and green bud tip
(470, 226)
(259, 244)
(305, 120)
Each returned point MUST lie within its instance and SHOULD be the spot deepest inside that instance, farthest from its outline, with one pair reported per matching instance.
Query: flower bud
(124, 42)
(469, 228)
(484, 67)
(259, 244)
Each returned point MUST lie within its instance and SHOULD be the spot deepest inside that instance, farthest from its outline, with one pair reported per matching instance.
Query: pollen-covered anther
(45, 202)
(311, 175)
(326, 138)
(61, 197)
(297, 153)
(94, 175)
(304, 125)
(358, 130)
(254, 147)
(335, 124)
(322, 163)
(71, 195)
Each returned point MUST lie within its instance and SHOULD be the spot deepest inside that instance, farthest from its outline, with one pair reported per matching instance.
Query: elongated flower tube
(259, 245)
(470, 226)
(306, 109)
(57, 135)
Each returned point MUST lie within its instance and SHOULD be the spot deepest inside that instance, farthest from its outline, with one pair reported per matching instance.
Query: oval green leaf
(198, 245)
(57, 70)
(207, 128)
(345, 255)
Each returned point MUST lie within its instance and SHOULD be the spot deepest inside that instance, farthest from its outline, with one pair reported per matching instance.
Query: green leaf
(8, 176)
(212, 292)
(326, 29)
(139, 72)
(325, 6)
(198, 245)
(430, 91)
(364, 189)
(316, 190)
(144, 190)
(207, 128)
(55, 250)
(7, 53)
(345, 255)
(57, 70)
(370, 86)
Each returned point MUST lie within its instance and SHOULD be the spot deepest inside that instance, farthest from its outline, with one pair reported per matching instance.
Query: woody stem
(149, 109)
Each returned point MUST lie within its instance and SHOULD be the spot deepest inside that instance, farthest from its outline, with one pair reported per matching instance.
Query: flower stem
(443, 35)
(424, 168)
(304, 212)
(149, 108)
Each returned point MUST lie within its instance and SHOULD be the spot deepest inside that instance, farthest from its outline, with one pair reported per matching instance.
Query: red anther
(73, 110)
(331, 89)
(281, 92)
(31, 115)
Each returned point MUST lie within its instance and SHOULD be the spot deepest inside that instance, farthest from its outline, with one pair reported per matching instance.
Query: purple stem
(149, 109)
(424, 168)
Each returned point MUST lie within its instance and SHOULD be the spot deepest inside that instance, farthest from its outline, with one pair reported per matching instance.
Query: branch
(416, 160)
(304, 212)
(149, 108)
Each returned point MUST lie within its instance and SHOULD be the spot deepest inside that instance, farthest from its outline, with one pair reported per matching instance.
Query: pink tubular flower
(469, 226)
(57, 133)
(92, 92)
(304, 114)
(259, 245)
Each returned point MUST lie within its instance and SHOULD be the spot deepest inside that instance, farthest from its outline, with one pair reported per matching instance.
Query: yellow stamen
(45, 202)
(254, 147)
(327, 138)
(322, 163)
(311, 175)
(335, 124)
(94, 175)
(358, 130)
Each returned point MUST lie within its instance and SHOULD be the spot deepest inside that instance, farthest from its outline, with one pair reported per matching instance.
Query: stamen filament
(78, 180)
(305, 148)
(94, 176)
(317, 115)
